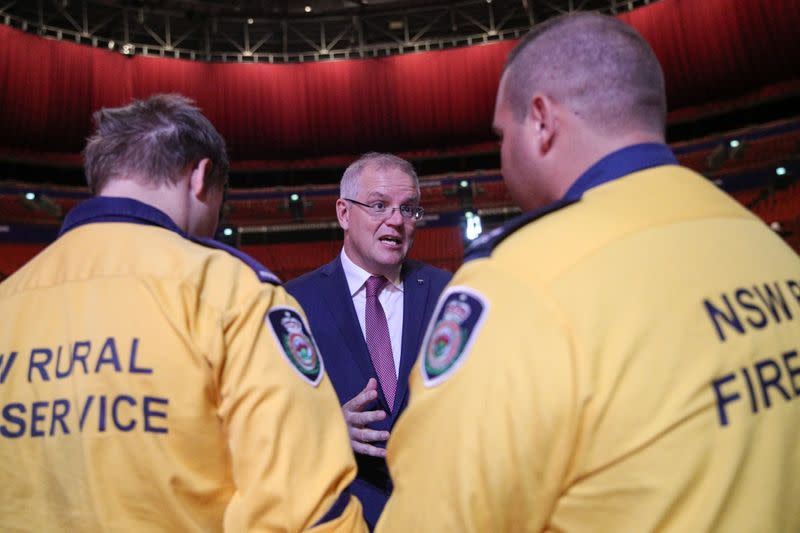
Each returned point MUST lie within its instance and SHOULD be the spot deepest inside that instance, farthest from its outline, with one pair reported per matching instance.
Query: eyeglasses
(380, 209)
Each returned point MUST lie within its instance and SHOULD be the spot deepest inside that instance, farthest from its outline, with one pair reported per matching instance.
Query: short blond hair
(154, 139)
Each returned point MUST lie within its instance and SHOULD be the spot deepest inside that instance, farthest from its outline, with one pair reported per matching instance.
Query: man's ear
(343, 213)
(199, 179)
(545, 119)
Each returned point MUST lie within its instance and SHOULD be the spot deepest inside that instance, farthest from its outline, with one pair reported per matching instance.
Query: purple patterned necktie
(378, 340)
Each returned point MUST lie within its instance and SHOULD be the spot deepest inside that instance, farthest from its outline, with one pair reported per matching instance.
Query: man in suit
(368, 309)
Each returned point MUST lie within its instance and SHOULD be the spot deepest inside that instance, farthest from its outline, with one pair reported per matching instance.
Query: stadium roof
(284, 31)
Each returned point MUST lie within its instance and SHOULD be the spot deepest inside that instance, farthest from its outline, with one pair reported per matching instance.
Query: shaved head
(597, 66)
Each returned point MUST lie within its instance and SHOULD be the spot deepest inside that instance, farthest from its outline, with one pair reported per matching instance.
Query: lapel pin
(420, 281)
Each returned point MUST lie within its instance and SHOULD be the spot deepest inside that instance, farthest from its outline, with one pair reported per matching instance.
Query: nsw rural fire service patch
(457, 319)
(296, 343)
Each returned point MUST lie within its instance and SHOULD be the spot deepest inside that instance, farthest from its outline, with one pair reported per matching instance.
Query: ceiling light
(307, 9)
(250, 21)
(780, 171)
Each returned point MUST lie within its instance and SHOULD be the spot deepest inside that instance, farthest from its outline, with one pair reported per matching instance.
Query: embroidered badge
(458, 318)
(296, 343)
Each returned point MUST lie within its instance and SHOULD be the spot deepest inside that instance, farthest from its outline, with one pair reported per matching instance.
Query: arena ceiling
(282, 31)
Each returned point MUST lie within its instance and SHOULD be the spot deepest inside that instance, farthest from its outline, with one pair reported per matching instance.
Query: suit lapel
(416, 287)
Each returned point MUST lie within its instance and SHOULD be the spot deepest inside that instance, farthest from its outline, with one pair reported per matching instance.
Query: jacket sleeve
(485, 440)
(289, 448)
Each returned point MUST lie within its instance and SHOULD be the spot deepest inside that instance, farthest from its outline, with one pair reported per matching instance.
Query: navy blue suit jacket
(325, 297)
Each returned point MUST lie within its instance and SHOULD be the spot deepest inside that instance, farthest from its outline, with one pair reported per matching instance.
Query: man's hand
(357, 419)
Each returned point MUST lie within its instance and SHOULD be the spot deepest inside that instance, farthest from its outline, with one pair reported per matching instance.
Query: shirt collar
(621, 163)
(356, 276)
(115, 209)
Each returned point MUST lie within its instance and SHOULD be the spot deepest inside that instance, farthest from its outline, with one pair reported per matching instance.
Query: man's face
(379, 244)
(518, 152)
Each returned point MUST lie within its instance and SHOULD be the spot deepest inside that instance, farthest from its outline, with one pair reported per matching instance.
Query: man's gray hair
(348, 187)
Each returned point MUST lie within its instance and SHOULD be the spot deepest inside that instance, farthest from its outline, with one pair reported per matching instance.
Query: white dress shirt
(391, 299)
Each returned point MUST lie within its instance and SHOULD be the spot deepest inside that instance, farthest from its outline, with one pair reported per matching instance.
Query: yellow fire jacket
(624, 360)
(151, 383)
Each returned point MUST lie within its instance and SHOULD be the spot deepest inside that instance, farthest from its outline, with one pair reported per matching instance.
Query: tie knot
(374, 285)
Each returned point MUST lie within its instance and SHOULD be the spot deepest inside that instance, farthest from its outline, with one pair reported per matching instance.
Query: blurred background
(301, 89)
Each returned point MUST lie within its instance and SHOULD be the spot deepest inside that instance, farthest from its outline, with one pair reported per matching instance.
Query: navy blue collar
(114, 209)
(613, 166)
(621, 163)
